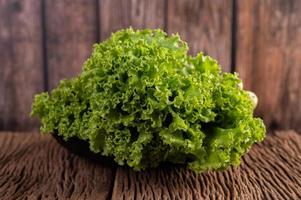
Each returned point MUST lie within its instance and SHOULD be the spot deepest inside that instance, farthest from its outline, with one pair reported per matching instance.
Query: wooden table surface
(34, 166)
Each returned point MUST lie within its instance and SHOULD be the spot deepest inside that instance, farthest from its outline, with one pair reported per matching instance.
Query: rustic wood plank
(71, 30)
(118, 14)
(21, 67)
(205, 25)
(271, 170)
(268, 58)
(37, 167)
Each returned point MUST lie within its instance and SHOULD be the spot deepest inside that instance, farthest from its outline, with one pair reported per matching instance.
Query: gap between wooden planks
(37, 167)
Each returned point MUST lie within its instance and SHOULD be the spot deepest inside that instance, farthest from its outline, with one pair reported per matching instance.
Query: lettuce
(143, 100)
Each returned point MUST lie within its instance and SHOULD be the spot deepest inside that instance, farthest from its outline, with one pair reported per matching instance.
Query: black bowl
(81, 149)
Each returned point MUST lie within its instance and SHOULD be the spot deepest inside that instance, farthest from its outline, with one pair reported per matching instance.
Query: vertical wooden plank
(71, 30)
(205, 25)
(268, 58)
(21, 72)
(118, 14)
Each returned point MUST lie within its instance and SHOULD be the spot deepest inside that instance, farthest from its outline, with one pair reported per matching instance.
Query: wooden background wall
(43, 41)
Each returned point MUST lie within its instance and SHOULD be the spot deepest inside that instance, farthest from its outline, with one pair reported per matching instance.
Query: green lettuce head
(143, 100)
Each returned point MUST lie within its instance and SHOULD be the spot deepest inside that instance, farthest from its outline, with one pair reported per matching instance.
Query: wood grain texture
(71, 30)
(34, 166)
(205, 25)
(21, 62)
(118, 14)
(271, 170)
(37, 167)
(268, 58)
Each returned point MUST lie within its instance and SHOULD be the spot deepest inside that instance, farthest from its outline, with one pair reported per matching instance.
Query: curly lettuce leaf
(143, 100)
